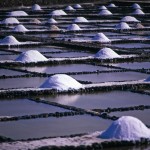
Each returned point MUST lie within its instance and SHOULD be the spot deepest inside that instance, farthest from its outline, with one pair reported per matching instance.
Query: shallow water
(101, 100)
(20, 107)
(9, 72)
(25, 129)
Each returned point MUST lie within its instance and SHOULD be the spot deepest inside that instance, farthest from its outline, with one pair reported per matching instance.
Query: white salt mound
(36, 21)
(139, 26)
(122, 25)
(100, 37)
(31, 56)
(17, 13)
(105, 12)
(69, 8)
(54, 28)
(9, 40)
(73, 27)
(36, 7)
(103, 7)
(76, 6)
(20, 28)
(57, 13)
(148, 79)
(138, 12)
(10, 20)
(129, 19)
(61, 82)
(111, 5)
(51, 21)
(126, 128)
(106, 53)
(80, 19)
(136, 6)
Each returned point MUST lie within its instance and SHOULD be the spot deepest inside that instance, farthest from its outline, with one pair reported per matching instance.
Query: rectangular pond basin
(112, 76)
(143, 115)
(134, 65)
(8, 57)
(21, 82)
(20, 107)
(8, 72)
(101, 100)
(51, 127)
(64, 68)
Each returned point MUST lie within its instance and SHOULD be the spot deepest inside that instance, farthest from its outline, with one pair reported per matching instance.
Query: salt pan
(61, 82)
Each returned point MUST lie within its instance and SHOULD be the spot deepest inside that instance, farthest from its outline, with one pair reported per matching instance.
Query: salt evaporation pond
(134, 65)
(52, 127)
(7, 57)
(21, 82)
(112, 76)
(66, 68)
(20, 107)
(141, 114)
(7, 72)
(101, 100)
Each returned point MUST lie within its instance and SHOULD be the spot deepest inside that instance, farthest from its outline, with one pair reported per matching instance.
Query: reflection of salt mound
(36, 7)
(136, 6)
(80, 19)
(148, 79)
(129, 19)
(17, 13)
(138, 12)
(57, 13)
(69, 8)
(36, 21)
(20, 28)
(51, 21)
(10, 20)
(61, 82)
(139, 26)
(105, 12)
(73, 27)
(9, 40)
(31, 56)
(102, 7)
(106, 53)
(122, 25)
(111, 5)
(100, 37)
(126, 128)
(54, 28)
(76, 6)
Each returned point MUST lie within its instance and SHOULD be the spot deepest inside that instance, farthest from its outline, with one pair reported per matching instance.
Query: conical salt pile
(17, 13)
(112, 5)
(54, 28)
(31, 56)
(148, 79)
(20, 28)
(80, 19)
(36, 7)
(126, 128)
(138, 12)
(69, 8)
(129, 19)
(10, 20)
(136, 6)
(139, 26)
(77, 6)
(103, 7)
(61, 82)
(57, 13)
(106, 53)
(73, 27)
(105, 12)
(36, 21)
(100, 37)
(51, 21)
(122, 25)
(9, 40)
